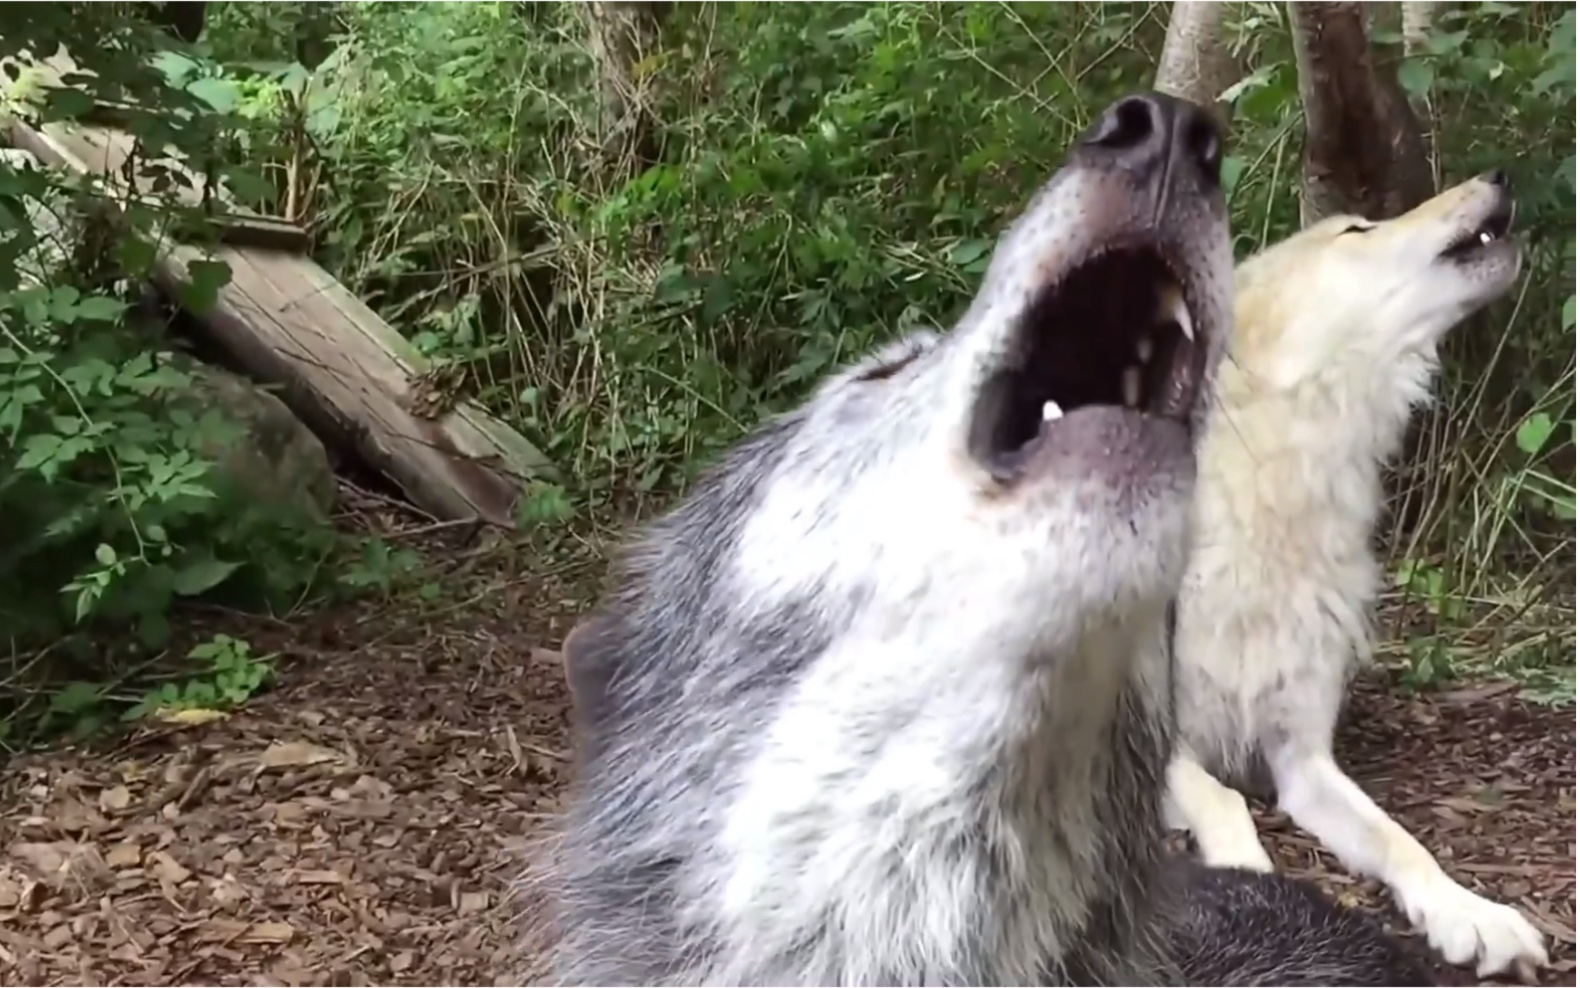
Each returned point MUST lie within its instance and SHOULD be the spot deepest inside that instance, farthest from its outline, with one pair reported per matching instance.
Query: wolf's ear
(584, 656)
(1277, 345)
(575, 654)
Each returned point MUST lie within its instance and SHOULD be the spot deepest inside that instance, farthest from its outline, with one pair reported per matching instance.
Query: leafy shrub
(110, 511)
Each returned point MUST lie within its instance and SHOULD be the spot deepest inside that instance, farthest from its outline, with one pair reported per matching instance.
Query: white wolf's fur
(1334, 345)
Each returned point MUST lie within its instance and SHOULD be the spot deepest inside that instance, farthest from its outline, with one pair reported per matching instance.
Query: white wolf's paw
(1462, 926)
(1234, 854)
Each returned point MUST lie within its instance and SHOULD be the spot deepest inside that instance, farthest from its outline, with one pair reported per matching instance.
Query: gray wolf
(1334, 344)
(886, 700)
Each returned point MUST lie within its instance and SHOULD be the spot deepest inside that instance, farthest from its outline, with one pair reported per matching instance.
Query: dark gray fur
(1029, 847)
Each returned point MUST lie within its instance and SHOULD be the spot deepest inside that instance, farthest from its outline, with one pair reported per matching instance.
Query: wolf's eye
(1356, 228)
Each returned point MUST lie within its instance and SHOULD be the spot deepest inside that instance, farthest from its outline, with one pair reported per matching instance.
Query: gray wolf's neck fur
(854, 827)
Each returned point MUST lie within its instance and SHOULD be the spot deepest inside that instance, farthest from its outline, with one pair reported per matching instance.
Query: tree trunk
(1364, 155)
(184, 20)
(621, 33)
(1364, 152)
(1416, 20)
(1195, 64)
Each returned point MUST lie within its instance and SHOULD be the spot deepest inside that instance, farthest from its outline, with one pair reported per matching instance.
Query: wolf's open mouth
(1116, 330)
(1493, 227)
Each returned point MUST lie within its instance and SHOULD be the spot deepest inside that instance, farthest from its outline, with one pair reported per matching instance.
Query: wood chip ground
(362, 823)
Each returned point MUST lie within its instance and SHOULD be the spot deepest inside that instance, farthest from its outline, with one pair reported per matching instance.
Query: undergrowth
(827, 175)
(820, 178)
(115, 513)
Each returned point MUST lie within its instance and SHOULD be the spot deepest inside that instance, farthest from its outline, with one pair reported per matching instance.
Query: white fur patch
(850, 813)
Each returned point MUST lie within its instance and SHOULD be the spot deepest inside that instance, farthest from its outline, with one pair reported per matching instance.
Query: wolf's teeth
(1130, 386)
(1144, 349)
(1051, 412)
(1171, 308)
(1182, 317)
(1485, 238)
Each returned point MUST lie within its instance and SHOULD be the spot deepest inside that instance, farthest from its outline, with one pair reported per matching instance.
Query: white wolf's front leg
(1215, 815)
(1459, 924)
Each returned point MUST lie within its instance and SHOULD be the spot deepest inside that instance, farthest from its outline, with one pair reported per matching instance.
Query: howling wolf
(887, 700)
(1334, 343)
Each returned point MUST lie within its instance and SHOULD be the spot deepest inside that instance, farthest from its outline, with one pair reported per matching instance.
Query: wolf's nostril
(1201, 143)
(1142, 133)
(1126, 125)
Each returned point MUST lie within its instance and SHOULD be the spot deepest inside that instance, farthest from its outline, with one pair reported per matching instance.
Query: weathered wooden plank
(341, 367)
(231, 226)
(230, 222)
(268, 232)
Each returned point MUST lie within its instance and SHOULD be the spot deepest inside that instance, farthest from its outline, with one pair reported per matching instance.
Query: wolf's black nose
(1497, 177)
(1143, 132)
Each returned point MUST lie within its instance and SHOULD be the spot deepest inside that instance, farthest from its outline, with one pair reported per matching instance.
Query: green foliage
(112, 511)
(828, 174)
(820, 178)
(379, 566)
(225, 674)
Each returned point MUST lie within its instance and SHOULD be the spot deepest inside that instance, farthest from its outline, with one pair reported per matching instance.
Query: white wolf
(1335, 340)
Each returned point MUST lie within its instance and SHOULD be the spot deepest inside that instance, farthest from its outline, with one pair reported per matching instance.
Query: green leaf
(175, 66)
(201, 575)
(219, 93)
(85, 600)
(63, 303)
(105, 554)
(1569, 312)
(206, 278)
(968, 251)
(40, 449)
(1265, 105)
(135, 255)
(1231, 171)
(717, 299)
(1534, 432)
(100, 308)
(69, 103)
(1416, 75)
(1446, 42)
(1256, 80)
(75, 698)
(153, 630)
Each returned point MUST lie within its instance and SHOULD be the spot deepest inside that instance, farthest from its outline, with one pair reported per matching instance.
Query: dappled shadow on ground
(362, 823)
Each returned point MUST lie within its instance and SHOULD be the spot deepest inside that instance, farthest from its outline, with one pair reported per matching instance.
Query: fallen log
(339, 366)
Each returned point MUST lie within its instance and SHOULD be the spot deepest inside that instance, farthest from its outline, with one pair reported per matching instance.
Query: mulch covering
(1485, 780)
(362, 823)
